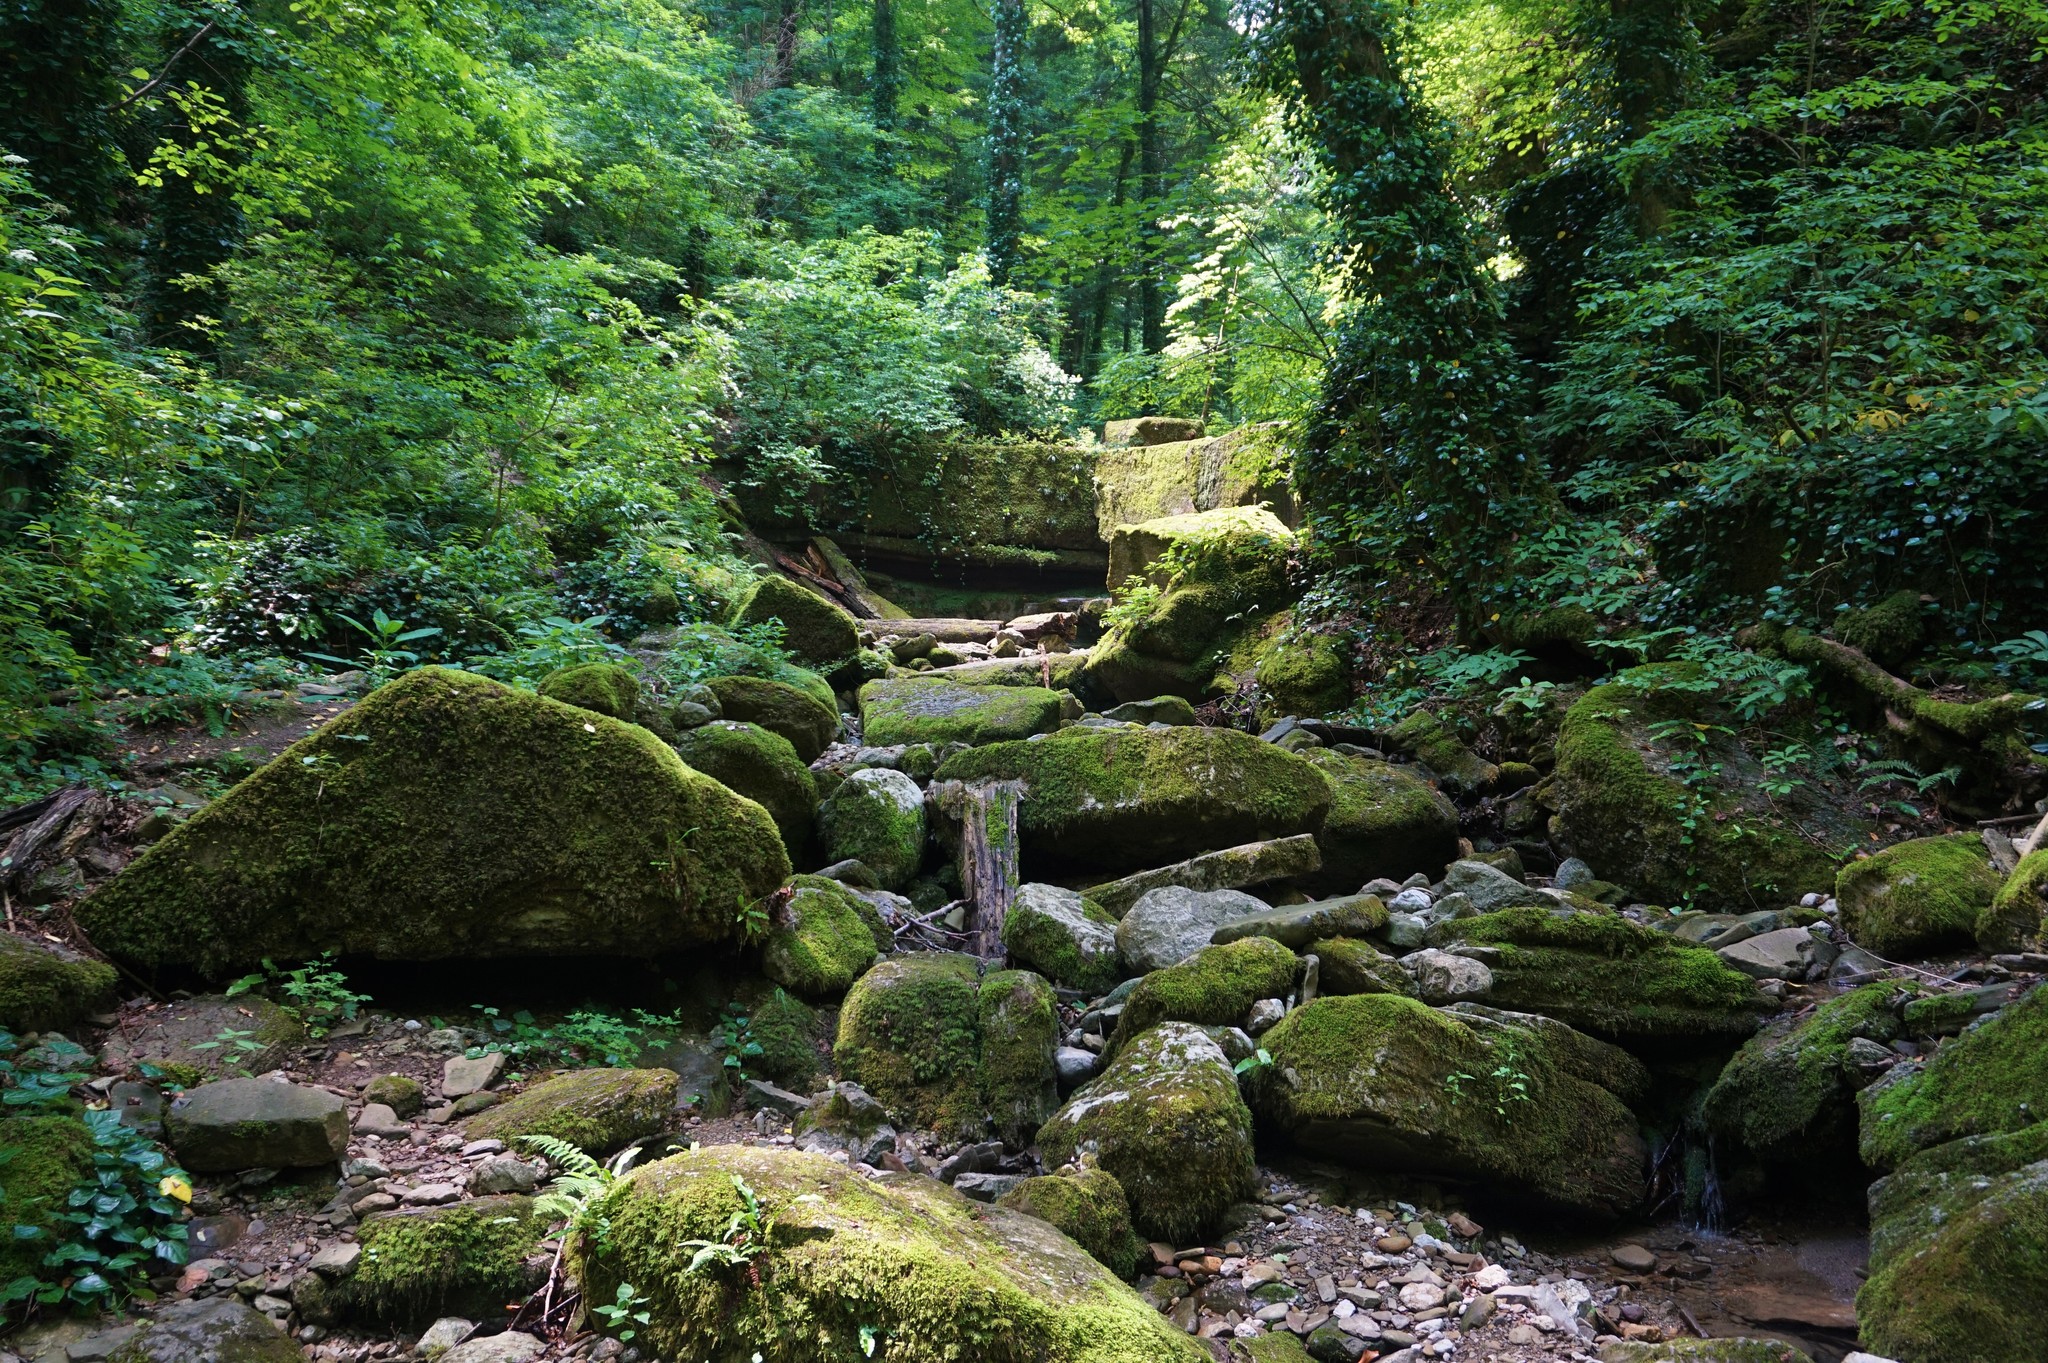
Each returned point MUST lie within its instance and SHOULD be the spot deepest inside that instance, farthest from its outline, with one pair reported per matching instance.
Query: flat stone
(100, 1347)
(762, 1094)
(985, 1187)
(207, 1330)
(505, 1175)
(336, 1260)
(1634, 1258)
(376, 1119)
(1233, 868)
(256, 1124)
(1295, 926)
(506, 1348)
(1167, 926)
(462, 1075)
(431, 1195)
(1784, 954)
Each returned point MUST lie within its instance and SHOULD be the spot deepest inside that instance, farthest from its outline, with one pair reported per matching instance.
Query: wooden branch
(2031, 843)
(158, 78)
(21, 852)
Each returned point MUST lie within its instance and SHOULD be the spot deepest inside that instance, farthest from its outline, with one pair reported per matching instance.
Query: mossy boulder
(447, 815)
(2016, 916)
(403, 1095)
(1443, 753)
(417, 1265)
(46, 987)
(1917, 897)
(1384, 820)
(1346, 965)
(797, 713)
(1726, 847)
(932, 1277)
(1233, 868)
(1165, 1118)
(222, 1329)
(1174, 647)
(1607, 976)
(786, 1029)
(1223, 545)
(1959, 1253)
(876, 817)
(1991, 1079)
(1122, 798)
(606, 688)
(909, 1034)
(1064, 936)
(762, 766)
(936, 711)
(49, 1154)
(1702, 1351)
(1298, 671)
(598, 1111)
(1790, 1092)
(1215, 987)
(1383, 1082)
(1296, 925)
(1887, 632)
(818, 944)
(1018, 1021)
(235, 1124)
(1088, 1206)
(816, 632)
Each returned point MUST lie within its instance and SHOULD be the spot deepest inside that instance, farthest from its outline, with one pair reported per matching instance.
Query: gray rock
(95, 1348)
(1717, 930)
(1490, 888)
(860, 1147)
(1158, 710)
(376, 1119)
(1572, 873)
(1166, 926)
(1297, 925)
(443, 1335)
(462, 1075)
(506, 1348)
(1074, 1066)
(979, 1158)
(1634, 1258)
(188, 1033)
(336, 1260)
(852, 873)
(1854, 964)
(431, 1195)
(1045, 921)
(985, 1187)
(877, 816)
(1233, 868)
(761, 1094)
(687, 714)
(1785, 954)
(1405, 931)
(504, 1174)
(1441, 977)
(1264, 1016)
(1412, 901)
(205, 1331)
(256, 1124)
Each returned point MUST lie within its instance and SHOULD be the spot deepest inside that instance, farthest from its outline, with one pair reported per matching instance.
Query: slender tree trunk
(1085, 351)
(1006, 136)
(888, 85)
(988, 856)
(1151, 182)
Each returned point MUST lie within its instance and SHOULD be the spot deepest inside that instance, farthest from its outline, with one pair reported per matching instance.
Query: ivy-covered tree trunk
(57, 65)
(1006, 141)
(1151, 182)
(887, 91)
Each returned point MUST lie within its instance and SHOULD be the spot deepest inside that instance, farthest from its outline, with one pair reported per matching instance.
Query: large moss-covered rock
(1064, 936)
(606, 688)
(936, 711)
(50, 1153)
(762, 766)
(1379, 1082)
(1727, 848)
(819, 943)
(1088, 1206)
(1018, 1022)
(816, 632)
(1385, 820)
(1120, 798)
(1917, 897)
(797, 713)
(1959, 1253)
(2015, 917)
(1140, 481)
(1790, 1092)
(1216, 987)
(1607, 976)
(1298, 671)
(448, 815)
(1222, 544)
(909, 1035)
(1346, 965)
(45, 986)
(598, 1111)
(1991, 1079)
(1233, 868)
(1165, 1118)
(1443, 753)
(786, 1029)
(876, 817)
(419, 1264)
(932, 1277)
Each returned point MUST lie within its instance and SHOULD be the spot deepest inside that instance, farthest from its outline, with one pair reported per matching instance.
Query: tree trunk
(1151, 183)
(888, 86)
(988, 860)
(1006, 141)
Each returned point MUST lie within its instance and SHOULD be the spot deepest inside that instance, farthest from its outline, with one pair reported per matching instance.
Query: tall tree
(887, 90)
(1151, 182)
(1006, 141)
(57, 59)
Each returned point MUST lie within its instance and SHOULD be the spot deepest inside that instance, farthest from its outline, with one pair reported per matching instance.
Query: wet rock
(510, 1347)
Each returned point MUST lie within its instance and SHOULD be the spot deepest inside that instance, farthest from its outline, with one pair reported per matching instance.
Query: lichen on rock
(876, 817)
(819, 942)
(598, 1111)
(937, 711)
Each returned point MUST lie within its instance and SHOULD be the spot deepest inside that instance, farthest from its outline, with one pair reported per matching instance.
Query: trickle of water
(1704, 1208)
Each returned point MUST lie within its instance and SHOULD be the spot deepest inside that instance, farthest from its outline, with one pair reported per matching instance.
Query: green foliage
(316, 993)
(745, 1238)
(589, 1037)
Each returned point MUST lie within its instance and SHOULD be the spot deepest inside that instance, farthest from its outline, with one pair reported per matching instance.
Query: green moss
(1992, 1078)
(1117, 798)
(760, 765)
(936, 1278)
(1255, 863)
(1172, 649)
(1067, 937)
(1437, 746)
(606, 688)
(1019, 1025)
(934, 710)
(45, 988)
(796, 713)
(420, 1265)
(1610, 977)
(1888, 632)
(402, 1095)
(876, 817)
(1346, 965)
(1165, 1118)
(1298, 671)
(1384, 821)
(1236, 544)
(46, 1155)
(1703, 1351)
(2015, 916)
(1087, 1206)
(1787, 1094)
(1216, 986)
(1916, 897)
(1959, 1253)
(597, 1110)
(1274, 1348)
(908, 1034)
(447, 815)
(1379, 1081)
(1723, 849)
(819, 943)
(1296, 925)
(816, 632)
(786, 1029)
